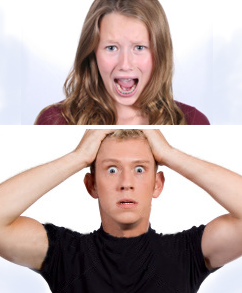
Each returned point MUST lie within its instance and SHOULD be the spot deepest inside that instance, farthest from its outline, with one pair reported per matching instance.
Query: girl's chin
(125, 101)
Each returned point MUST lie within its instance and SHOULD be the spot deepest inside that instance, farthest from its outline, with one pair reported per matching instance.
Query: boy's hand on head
(90, 143)
(159, 145)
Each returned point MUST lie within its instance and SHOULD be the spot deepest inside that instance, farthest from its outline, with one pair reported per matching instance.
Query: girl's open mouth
(126, 87)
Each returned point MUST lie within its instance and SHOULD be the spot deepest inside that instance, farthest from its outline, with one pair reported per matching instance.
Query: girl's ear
(159, 184)
(89, 181)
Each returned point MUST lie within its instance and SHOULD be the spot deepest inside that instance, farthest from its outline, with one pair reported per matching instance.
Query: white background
(38, 41)
(180, 206)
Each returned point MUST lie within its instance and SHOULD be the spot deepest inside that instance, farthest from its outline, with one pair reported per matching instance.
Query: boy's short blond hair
(123, 134)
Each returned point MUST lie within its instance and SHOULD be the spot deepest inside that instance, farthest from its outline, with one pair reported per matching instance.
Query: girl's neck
(128, 115)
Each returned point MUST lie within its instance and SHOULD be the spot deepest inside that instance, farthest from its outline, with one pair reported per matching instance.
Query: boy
(125, 254)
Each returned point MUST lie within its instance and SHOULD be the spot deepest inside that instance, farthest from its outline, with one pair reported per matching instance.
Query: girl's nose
(125, 61)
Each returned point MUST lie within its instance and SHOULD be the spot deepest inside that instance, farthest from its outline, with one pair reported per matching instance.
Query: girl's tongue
(126, 83)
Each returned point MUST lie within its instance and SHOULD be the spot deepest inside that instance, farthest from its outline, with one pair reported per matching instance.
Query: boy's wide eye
(112, 170)
(139, 169)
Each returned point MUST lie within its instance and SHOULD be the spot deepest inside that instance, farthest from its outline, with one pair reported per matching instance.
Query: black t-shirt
(99, 262)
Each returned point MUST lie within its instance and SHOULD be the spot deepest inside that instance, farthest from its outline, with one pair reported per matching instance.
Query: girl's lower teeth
(125, 92)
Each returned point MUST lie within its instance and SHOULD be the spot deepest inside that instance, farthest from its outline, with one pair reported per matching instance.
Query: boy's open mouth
(126, 87)
(127, 203)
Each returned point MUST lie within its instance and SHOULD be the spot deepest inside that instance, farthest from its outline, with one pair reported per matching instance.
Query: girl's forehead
(115, 24)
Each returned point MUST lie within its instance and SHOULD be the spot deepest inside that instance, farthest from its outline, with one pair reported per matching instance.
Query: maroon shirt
(53, 116)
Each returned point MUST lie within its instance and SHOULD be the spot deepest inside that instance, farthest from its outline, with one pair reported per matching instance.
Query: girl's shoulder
(51, 115)
(192, 115)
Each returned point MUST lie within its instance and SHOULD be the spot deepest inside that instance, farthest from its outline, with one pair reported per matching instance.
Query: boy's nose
(126, 181)
(126, 187)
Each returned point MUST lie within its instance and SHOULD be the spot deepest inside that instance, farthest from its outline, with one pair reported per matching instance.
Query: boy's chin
(129, 223)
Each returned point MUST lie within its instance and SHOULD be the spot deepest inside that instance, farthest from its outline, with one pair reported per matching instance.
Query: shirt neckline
(126, 239)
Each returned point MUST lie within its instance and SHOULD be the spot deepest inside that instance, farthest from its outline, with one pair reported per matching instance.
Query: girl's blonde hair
(87, 100)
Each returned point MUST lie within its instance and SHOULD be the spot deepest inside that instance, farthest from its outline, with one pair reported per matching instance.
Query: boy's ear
(89, 181)
(159, 184)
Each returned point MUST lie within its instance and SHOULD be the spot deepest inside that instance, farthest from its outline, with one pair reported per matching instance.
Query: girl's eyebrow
(109, 41)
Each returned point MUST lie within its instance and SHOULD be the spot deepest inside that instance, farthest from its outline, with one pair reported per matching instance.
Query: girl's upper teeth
(125, 79)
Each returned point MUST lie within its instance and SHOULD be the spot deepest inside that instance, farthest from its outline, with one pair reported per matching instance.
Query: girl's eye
(112, 170)
(139, 169)
(111, 48)
(140, 48)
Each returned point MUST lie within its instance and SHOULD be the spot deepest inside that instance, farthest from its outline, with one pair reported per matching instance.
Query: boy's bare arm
(24, 240)
(222, 238)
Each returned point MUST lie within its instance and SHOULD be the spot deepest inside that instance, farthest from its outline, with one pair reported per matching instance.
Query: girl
(122, 72)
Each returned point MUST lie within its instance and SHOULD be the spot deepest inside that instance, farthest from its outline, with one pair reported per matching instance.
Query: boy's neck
(126, 230)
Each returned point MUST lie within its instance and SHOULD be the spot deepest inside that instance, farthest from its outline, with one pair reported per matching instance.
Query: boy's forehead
(115, 148)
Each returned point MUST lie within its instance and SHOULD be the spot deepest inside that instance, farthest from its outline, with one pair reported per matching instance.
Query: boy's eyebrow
(118, 161)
